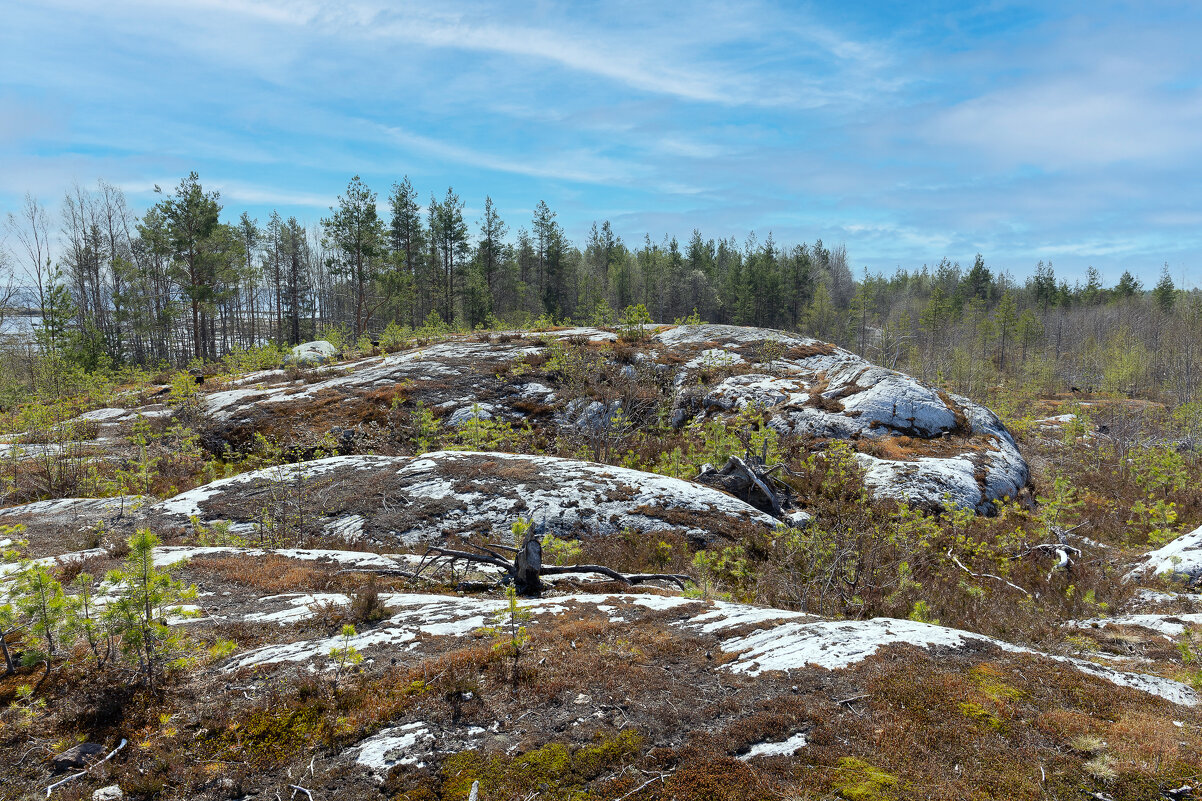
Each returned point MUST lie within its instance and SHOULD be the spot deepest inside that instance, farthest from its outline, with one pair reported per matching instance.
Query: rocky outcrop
(461, 493)
(49, 525)
(1182, 557)
(915, 442)
(760, 640)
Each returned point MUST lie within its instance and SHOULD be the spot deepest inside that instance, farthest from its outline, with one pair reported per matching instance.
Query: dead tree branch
(511, 569)
(75, 776)
(963, 567)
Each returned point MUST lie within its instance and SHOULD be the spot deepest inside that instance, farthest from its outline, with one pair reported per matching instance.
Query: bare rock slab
(444, 493)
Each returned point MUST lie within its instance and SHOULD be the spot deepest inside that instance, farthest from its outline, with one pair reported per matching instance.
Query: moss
(988, 679)
(857, 780)
(975, 712)
(555, 770)
(272, 734)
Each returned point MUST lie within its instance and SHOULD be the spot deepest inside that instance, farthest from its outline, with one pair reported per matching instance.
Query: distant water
(20, 324)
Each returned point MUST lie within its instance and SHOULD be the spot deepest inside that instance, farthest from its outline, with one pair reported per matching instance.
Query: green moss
(857, 780)
(555, 770)
(274, 734)
(980, 714)
(988, 680)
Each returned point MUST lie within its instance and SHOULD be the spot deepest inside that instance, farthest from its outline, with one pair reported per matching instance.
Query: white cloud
(699, 55)
(1074, 123)
(250, 193)
(582, 166)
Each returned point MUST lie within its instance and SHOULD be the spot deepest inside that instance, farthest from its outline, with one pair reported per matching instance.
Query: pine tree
(449, 230)
(1093, 292)
(492, 237)
(296, 277)
(406, 238)
(138, 613)
(248, 229)
(1165, 293)
(1128, 286)
(978, 284)
(356, 234)
(191, 215)
(1006, 320)
(41, 601)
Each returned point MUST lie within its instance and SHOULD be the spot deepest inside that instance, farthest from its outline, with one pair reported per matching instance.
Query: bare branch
(75, 776)
(984, 575)
(490, 558)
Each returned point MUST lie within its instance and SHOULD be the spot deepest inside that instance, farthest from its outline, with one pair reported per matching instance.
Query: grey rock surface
(460, 493)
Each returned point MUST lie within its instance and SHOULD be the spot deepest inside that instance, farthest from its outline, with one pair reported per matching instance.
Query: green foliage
(602, 315)
(143, 594)
(220, 534)
(354, 233)
(979, 714)
(723, 573)
(1125, 363)
(557, 551)
(509, 632)
(394, 335)
(89, 622)
(344, 654)
(338, 335)
(560, 770)
(484, 433)
(433, 327)
(921, 612)
(634, 322)
(518, 530)
(425, 429)
(137, 476)
(185, 400)
(857, 780)
(673, 463)
(1157, 520)
(1159, 469)
(55, 451)
(240, 361)
(40, 600)
(1060, 506)
(25, 707)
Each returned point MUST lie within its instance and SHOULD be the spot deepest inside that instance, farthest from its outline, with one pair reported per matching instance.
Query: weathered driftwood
(524, 572)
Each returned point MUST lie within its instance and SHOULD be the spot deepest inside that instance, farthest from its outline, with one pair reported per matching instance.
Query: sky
(1065, 132)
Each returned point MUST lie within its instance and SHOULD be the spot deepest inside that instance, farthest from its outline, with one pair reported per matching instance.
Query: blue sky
(1069, 132)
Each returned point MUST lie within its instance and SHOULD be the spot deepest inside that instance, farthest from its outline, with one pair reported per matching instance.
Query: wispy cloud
(240, 192)
(1019, 129)
(1076, 123)
(580, 166)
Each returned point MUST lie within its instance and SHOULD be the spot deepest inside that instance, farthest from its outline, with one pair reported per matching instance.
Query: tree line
(177, 283)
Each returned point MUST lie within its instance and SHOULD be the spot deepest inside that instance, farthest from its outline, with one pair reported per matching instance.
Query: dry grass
(909, 449)
(798, 352)
(268, 574)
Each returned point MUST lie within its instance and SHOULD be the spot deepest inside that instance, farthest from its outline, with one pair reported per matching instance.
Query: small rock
(582, 699)
(799, 519)
(110, 793)
(312, 353)
(77, 757)
(466, 414)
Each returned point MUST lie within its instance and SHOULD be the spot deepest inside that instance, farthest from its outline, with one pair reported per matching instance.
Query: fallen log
(527, 568)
